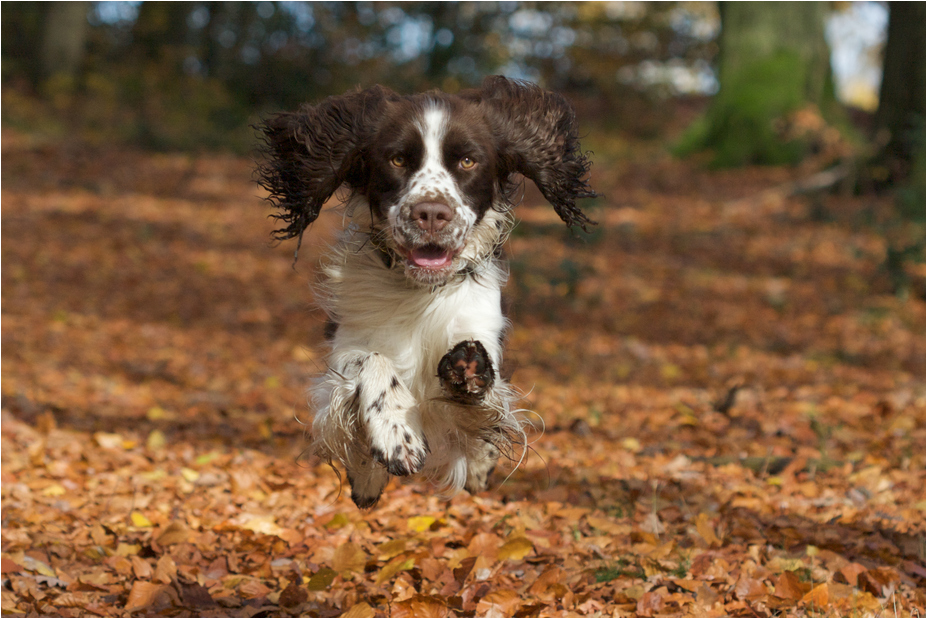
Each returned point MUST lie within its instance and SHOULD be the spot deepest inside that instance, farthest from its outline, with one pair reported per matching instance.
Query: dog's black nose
(432, 216)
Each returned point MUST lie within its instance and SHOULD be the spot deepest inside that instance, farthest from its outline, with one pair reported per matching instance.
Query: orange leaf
(361, 609)
(704, 528)
(145, 594)
(499, 603)
(818, 596)
(420, 606)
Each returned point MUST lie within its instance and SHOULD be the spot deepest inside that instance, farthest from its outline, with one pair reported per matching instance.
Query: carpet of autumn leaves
(732, 399)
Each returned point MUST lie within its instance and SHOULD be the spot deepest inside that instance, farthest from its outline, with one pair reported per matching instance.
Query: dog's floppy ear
(539, 140)
(312, 152)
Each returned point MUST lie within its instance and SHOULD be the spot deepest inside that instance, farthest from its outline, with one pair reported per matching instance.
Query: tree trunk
(902, 95)
(63, 38)
(774, 60)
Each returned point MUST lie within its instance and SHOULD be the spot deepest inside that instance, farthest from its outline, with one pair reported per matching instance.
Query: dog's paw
(367, 485)
(466, 372)
(399, 448)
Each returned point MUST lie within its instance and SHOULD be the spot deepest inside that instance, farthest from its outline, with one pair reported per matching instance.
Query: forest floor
(731, 389)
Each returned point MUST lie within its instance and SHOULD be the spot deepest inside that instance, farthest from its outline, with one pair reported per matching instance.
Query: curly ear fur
(539, 140)
(312, 152)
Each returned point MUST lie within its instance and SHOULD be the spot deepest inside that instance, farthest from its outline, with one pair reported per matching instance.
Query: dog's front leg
(371, 424)
(468, 377)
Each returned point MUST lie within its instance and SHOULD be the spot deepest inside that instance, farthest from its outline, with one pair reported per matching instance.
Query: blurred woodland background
(733, 83)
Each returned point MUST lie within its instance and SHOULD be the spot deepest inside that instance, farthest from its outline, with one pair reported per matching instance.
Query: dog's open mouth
(431, 257)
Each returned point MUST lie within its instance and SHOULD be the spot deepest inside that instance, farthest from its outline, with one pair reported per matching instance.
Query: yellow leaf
(420, 524)
(127, 550)
(349, 557)
(337, 521)
(34, 565)
(631, 444)
(156, 440)
(155, 413)
(54, 490)
(394, 567)
(139, 519)
(515, 549)
(189, 474)
(390, 549)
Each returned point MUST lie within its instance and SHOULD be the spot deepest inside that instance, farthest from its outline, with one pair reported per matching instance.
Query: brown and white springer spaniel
(413, 289)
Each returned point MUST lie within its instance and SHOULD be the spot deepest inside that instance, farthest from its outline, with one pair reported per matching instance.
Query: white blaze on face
(433, 182)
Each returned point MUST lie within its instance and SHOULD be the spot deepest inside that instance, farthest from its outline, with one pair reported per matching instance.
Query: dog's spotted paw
(466, 372)
(400, 449)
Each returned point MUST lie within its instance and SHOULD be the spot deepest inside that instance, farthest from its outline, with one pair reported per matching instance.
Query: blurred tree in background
(774, 61)
(195, 75)
(190, 75)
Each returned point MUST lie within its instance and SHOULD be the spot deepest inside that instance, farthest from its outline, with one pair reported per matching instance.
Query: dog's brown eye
(398, 161)
(467, 163)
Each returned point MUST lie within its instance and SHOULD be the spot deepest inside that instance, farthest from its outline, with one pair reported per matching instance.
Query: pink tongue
(430, 257)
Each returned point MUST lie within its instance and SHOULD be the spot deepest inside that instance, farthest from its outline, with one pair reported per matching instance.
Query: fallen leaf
(499, 603)
(361, 609)
(818, 597)
(705, 530)
(139, 519)
(349, 557)
(174, 533)
(321, 580)
(515, 549)
(146, 594)
(420, 524)
(165, 570)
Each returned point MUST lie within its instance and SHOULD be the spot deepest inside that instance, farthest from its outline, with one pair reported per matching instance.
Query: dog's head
(431, 166)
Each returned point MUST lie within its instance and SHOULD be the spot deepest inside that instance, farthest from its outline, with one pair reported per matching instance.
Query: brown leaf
(499, 603)
(195, 596)
(141, 568)
(165, 570)
(652, 602)
(174, 533)
(850, 573)
(789, 587)
(420, 606)
(705, 530)
(147, 594)
(293, 595)
(878, 581)
(349, 557)
(749, 589)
